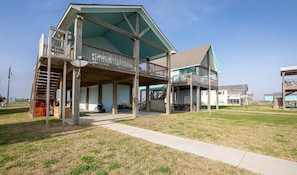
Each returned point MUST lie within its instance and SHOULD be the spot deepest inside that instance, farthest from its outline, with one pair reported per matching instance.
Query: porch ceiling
(114, 15)
(94, 75)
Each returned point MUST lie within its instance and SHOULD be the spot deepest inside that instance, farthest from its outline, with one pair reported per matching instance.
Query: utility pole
(9, 74)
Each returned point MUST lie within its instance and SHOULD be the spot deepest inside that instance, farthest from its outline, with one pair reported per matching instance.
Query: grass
(265, 133)
(27, 147)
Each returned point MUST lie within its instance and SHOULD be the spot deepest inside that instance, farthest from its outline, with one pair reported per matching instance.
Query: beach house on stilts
(116, 45)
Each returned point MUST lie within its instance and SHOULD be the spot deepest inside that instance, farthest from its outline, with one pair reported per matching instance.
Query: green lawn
(27, 147)
(264, 133)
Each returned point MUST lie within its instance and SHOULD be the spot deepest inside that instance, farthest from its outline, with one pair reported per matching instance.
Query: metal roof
(191, 58)
(114, 15)
(289, 70)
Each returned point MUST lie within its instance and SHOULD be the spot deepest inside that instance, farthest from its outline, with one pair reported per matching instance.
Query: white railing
(196, 79)
(103, 57)
(153, 69)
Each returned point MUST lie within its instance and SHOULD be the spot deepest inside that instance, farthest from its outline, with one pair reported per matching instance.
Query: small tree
(2, 98)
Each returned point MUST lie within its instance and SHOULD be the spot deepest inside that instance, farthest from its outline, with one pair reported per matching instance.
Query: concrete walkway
(254, 162)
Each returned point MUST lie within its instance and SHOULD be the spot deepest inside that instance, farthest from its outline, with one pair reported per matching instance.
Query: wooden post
(60, 97)
(100, 93)
(147, 98)
(284, 90)
(87, 99)
(217, 92)
(191, 92)
(114, 98)
(209, 85)
(168, 64)
(173, 97)
(178, 95)
(63, 100)
(48, 90)
(75, 78)
(198, 104)
(136, 45)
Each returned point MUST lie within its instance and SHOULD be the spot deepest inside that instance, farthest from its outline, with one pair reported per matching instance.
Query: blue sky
(252, 38)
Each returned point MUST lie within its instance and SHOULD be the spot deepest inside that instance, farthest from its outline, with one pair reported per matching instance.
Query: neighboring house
(289, 84)
(192, 71)
(276, 99)
(231, 95)
(118, 42)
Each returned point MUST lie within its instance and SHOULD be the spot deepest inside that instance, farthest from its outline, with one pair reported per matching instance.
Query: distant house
(231, 95)
(115, 41)
(192, 71)
(276, 99)
(289, 84)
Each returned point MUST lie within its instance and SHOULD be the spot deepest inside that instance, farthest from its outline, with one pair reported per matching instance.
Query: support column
(100, 93)
(284, 90)
(168, 64)
(209, 84)
(48, 89)
(136, 45)
(147, 98)
(191, 92)
(217, 92)
(173, 97)
(60, 98)
(87, 99)
(63, 100)
(76, 78)
(131, 94)
(178, 95)
(114, 98)
(198, 104)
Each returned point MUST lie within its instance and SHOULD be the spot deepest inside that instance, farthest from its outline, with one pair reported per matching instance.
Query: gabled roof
(239, 87)
(115, 16)
(191, 58)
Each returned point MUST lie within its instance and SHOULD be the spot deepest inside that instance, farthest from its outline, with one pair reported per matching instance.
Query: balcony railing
(153, 69)
(100, 56)
(58, 47)
(291, 84)
(103, 57)
(196, 79)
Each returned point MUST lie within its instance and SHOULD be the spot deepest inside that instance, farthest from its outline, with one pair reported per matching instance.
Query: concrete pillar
(114, 98)
(168, 64)
(76, 78)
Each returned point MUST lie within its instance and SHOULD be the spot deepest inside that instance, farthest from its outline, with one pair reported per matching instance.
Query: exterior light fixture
(79, 63)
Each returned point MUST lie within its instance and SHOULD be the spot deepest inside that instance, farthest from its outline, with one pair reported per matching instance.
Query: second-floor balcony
(99, 56)
(59, 48)
(195, 80)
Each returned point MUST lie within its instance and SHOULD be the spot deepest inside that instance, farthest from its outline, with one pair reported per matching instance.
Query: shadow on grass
(35, 129)
(4, 111)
